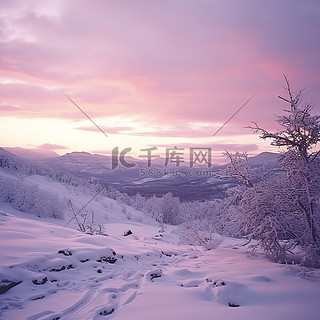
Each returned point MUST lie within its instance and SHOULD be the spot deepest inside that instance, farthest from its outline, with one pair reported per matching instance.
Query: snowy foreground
(61, 273)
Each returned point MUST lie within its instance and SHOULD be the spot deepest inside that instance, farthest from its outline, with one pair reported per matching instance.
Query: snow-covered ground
(49, 270)
(61, 273)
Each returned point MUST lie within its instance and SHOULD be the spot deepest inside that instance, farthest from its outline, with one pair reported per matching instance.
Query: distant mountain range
(32, 154)
(187, 183)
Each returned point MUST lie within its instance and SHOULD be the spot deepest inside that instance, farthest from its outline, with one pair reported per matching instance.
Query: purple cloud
(165, 62)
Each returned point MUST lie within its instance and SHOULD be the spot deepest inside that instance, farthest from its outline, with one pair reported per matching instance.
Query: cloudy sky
(152, 73)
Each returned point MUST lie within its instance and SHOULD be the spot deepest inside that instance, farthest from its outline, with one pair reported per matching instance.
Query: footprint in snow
(191, 284)
(261, 279)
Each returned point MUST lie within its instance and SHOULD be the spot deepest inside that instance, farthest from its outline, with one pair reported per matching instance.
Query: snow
(65, 274)
(49, 270)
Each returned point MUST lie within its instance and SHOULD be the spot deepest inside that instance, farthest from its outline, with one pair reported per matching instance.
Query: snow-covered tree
(31, 199)
(138, 202)
(284, 211)
(200, 224)
(300, 133)
(238, 168)
(268, 213)
(170, 208)
(165, 209)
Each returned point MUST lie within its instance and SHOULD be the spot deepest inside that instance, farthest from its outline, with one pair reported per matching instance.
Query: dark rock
(107, 259)
(155, 275)
(65, 252)
(233, 305)
(6, 285)
(38, 282)
(70, 266)
(166, 254)
(127, 233)
(106, 312)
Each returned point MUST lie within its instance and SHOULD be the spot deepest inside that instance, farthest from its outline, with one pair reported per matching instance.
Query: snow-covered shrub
(31, 199)
(165, 209)
(170, 208)
(138, 202)
(200, 224)
(85, 219)
(268, 212)
(191, 234)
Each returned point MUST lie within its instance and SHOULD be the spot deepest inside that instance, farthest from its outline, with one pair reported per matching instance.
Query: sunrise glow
(151, 73)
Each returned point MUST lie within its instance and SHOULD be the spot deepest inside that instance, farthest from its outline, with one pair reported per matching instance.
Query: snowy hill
(51, 272)
(32, 154)
(265, 158)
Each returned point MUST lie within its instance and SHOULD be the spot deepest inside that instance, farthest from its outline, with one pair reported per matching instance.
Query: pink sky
(151, 72)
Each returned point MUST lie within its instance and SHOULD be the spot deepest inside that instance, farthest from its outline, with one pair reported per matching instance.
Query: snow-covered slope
(49, 270)
(32, 154)
(59, 273)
